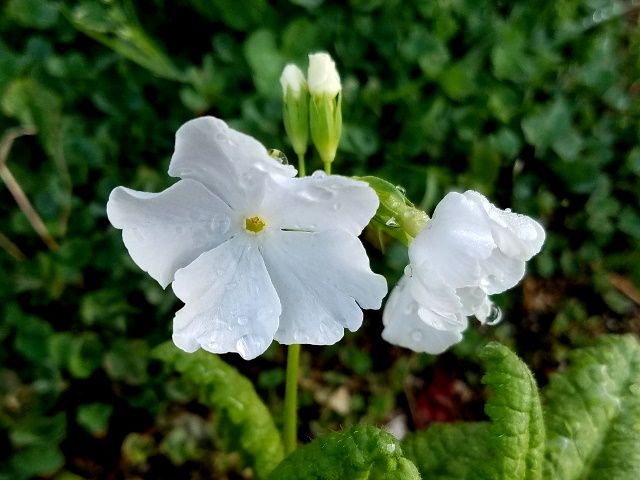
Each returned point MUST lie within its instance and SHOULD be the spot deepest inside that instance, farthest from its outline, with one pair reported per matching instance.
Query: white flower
(469, 250)
(292, 79)
(322, 75)
(254, 253)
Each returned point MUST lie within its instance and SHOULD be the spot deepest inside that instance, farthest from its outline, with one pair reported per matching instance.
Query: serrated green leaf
(449, 451)
(243, 420)
(517, 429)
(593, 414)
(361, 452)
(510, 447)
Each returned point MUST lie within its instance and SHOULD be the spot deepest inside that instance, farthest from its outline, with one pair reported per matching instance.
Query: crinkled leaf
(509, 447)
(593, 414)
(359, 453)
(517, 430)
(244, 421)
(448, 451)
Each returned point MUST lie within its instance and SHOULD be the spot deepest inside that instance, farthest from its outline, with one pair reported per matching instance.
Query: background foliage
(535, 103)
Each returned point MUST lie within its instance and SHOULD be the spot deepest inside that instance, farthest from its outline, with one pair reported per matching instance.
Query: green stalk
(291, 400)
(327, 168)
(302, 170)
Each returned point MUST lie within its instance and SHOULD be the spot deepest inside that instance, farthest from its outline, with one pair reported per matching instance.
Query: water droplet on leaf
(392, 222)
(401, 189)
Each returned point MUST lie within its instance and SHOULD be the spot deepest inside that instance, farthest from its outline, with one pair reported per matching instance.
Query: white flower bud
(292, 79)
(323, 76)
(295, 113)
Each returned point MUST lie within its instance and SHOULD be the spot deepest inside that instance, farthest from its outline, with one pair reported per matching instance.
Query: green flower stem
(327, 168)
(291, 400)
(302, 169)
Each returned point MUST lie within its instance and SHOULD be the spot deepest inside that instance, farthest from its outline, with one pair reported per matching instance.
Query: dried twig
(16, 190)
(11, 248)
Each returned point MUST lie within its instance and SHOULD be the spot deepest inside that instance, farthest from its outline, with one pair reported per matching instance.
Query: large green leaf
(244, 421)
(509, 447)
(448, 451)
(593, 414)
(358, 453)
(517, 429)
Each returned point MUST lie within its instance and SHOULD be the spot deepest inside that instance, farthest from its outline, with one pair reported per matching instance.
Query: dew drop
(408, 271)
(411, 308)
(401, 189)
(318, 174)
(278, 156)
(391, 447)
(315, 194)
(250, 346)
(392, 222)
(416, 335)
(495, 315)
(220, 223)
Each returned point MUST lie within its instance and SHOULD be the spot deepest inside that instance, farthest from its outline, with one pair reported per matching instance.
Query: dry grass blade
(16, 190)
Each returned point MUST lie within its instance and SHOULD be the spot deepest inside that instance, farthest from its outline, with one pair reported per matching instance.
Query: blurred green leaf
(94, 418)
(244, 421)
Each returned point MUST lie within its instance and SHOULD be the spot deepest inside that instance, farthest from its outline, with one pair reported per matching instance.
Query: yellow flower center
(254, 224)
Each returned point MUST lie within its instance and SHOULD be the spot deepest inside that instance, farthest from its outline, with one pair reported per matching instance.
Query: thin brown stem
(16, 190)
(11, 248)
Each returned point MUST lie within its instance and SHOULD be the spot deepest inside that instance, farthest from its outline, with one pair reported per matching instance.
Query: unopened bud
(325, 107)
(295, 96)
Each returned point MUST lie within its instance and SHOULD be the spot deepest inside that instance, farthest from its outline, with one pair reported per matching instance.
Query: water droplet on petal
(401, 189)
(318, 174)
(416, 335)
(250, 346)
(315, 194)
(392, 222)
(336, 206)
(408, 271)
(411, 309)
(495, 315)
(220, 223)
(242, 320)
(278, 156)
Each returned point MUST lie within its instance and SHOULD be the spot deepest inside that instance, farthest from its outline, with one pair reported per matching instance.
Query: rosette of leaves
(591, 415)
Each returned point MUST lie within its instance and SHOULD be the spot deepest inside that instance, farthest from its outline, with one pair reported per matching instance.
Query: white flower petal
(323, 280)
(321, 202)
(454, 243)
(421, 330)
(223, 159)
(166, 231)
(322, 75)
(230, 302)
(502, 272)
(516, 235)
